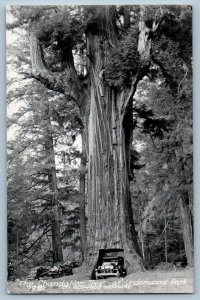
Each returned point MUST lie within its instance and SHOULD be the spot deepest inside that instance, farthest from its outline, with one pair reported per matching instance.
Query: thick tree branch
(66, 82)
(39, 70)
(142, 71)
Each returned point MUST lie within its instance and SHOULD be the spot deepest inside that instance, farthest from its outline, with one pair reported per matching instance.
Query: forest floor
(179, 281)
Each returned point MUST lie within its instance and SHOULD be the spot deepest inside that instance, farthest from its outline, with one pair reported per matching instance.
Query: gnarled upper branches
(66, 82)
(145, 37)
(39, 69)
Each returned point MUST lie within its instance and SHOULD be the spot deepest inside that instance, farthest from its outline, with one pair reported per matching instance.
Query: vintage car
(110, 263)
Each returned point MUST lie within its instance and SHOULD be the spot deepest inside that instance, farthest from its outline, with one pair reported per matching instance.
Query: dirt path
(180, 281)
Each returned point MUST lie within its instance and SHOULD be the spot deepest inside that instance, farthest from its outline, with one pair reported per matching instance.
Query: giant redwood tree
(96, 56)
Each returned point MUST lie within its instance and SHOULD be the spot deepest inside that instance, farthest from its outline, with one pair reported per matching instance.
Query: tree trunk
(187, 228)
(142, 243)
(55, 225)
(17, 251)
(110, 220)
(110, 216)
(166, 251)
(56, 238)
(106, 114)
(185, 213)
(82, 199)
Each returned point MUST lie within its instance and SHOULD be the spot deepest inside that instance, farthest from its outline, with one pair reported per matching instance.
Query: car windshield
(110, 260)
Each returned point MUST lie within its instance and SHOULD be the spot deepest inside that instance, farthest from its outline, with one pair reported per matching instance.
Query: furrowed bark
(110, 218)
(110, 223)
(109, 135)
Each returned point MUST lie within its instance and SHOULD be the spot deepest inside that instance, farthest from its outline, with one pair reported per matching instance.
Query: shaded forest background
(45, 154)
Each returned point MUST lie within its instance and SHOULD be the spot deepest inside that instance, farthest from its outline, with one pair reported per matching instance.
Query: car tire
(95, 276)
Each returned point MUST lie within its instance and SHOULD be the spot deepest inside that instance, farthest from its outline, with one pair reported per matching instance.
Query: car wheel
(118, 275)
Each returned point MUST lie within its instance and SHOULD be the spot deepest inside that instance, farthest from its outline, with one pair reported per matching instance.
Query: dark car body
(110, 262)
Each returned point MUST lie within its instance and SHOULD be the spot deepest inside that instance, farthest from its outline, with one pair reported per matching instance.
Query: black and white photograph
(99, 149)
